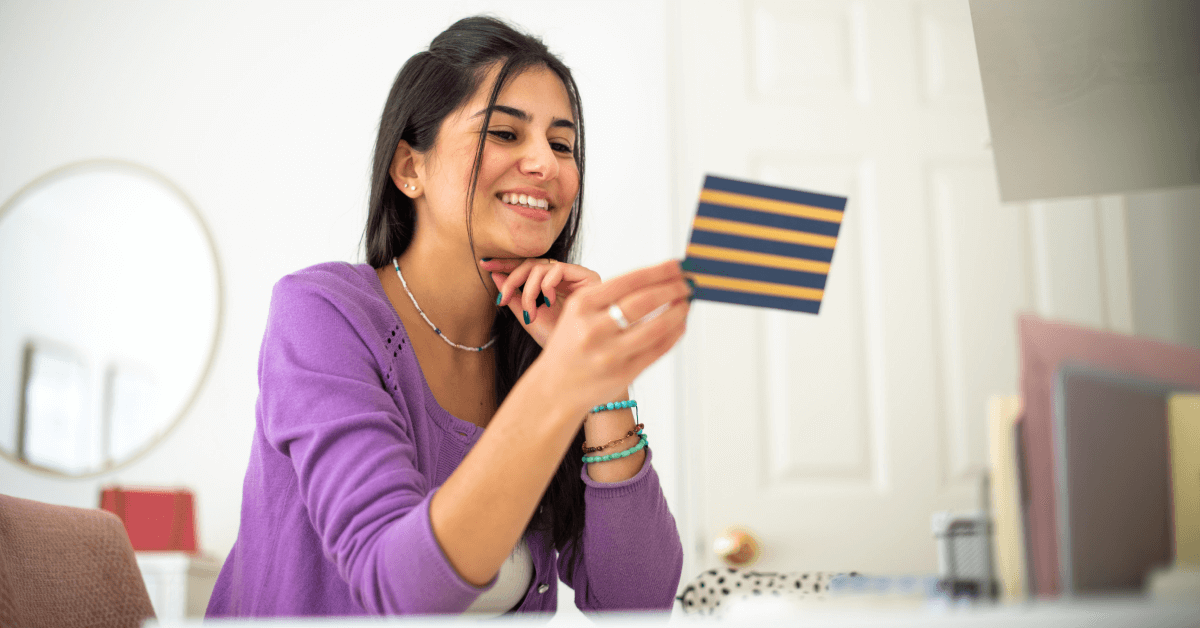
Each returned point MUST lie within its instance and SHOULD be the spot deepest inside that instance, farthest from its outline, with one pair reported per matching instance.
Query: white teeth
(524, 200)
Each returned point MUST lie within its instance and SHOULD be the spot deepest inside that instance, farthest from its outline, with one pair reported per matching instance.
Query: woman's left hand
(522, 281)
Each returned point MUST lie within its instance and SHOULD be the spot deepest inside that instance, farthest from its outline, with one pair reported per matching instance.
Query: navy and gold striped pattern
(761, 245)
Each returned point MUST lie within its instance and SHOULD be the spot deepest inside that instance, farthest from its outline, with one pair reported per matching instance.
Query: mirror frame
(172, 421)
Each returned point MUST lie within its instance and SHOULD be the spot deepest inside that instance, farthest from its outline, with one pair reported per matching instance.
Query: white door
(835, 437)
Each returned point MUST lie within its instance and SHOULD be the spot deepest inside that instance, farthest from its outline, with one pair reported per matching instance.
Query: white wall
(264, 113)
(1164, 260)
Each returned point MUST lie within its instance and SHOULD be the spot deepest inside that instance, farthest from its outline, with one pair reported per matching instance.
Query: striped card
(761, 245)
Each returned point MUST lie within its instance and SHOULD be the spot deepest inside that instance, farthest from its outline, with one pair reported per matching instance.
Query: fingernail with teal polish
(499, 297)
(485, 259)
(691, 288)
(540, 301)
(526, 316)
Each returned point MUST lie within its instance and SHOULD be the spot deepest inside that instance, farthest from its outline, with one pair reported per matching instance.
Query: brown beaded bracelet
(633, 432)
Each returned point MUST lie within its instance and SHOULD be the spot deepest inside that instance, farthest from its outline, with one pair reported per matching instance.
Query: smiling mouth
(521, 200)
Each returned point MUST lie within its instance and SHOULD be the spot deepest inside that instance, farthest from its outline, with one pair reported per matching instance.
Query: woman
(373, 487)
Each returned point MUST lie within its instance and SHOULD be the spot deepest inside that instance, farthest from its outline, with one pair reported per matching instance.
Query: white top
(512, 583)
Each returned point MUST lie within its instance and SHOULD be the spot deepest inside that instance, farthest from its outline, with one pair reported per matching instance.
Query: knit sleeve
(631, 554)
(325, 406)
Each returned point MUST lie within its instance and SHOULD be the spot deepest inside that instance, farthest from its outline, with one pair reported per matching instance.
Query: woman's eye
(560, 147)
(504, 135)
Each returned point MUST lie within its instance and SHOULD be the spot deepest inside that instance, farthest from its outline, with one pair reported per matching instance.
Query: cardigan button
(542, 588)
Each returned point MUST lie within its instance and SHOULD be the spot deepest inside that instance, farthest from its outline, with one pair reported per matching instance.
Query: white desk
(1095, 614)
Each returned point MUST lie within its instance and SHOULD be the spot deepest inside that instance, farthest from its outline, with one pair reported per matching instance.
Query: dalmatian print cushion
(716, 589)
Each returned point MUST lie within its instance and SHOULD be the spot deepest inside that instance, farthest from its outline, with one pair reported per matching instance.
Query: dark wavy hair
(431, 85)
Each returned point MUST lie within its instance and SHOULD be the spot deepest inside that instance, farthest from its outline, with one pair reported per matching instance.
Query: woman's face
(528, 178)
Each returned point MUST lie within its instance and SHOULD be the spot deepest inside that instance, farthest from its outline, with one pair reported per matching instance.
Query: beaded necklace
(396, 264)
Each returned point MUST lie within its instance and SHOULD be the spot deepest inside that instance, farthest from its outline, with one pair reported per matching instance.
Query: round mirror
(111, 306)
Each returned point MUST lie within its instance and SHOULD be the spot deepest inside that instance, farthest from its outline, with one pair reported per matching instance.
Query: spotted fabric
(713, 591)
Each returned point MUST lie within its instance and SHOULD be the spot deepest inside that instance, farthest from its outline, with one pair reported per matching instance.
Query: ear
(407, 168)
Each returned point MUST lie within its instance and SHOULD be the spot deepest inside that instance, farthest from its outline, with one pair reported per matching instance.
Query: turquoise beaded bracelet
(620, 454)
(614, 405)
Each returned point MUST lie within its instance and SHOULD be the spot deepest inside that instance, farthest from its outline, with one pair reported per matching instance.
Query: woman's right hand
(588, 359)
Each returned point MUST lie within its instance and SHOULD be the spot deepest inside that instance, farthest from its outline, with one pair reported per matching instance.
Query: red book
(155, 519)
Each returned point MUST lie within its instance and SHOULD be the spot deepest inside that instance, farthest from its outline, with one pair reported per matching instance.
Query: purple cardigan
(349, 446)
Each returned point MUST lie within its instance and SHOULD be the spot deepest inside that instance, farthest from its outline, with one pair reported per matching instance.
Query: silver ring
(615, 313)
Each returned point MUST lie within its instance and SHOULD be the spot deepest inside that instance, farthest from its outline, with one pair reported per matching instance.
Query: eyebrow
(525, 117)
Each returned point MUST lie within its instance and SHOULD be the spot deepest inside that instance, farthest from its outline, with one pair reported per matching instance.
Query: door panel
(835, 437)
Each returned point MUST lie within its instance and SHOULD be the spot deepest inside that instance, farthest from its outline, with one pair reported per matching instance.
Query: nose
(539, 160)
